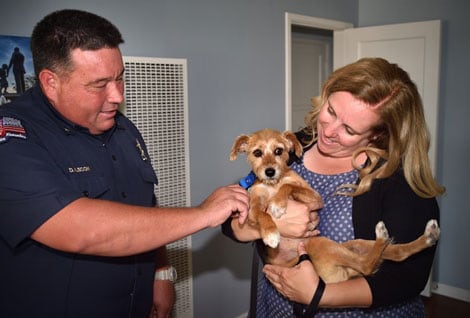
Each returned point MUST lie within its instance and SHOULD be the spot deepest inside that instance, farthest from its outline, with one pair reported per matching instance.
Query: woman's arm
(405, 215)
(300, 282)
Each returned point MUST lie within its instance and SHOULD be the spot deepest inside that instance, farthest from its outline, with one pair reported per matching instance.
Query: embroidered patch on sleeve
(11, 127)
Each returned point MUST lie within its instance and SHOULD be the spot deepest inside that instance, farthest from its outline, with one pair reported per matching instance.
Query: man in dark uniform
(80, 235)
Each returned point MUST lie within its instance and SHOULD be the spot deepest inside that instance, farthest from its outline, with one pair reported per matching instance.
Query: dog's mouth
(270, 181)
(270, 176)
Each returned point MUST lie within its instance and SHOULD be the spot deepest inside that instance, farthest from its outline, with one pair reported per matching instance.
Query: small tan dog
(268, 152)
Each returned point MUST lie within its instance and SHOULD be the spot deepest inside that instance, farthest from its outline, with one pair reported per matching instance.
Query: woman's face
(344, 125)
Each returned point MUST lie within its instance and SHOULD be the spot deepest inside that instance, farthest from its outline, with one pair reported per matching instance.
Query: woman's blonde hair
(401, 140)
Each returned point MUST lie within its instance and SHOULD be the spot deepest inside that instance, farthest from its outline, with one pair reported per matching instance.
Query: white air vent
(156, 102)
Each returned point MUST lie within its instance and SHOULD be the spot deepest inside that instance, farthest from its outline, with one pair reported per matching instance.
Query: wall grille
(156, 101)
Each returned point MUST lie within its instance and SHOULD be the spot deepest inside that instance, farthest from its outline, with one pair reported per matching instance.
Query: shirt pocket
(148, 174)
(92, 186)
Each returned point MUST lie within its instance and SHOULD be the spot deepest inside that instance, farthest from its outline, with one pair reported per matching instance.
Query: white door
(413, 46)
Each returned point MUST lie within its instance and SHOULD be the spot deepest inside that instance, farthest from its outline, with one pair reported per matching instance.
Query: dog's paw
(381, 231)
(272, 239)
(432, 232)
(277, 210)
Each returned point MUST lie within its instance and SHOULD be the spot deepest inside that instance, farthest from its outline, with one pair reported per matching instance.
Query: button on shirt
(46, 163)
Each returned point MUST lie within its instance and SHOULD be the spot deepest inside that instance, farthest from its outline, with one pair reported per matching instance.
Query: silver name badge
(141, 150)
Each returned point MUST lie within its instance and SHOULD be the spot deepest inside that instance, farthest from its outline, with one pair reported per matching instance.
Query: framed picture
(16, 66)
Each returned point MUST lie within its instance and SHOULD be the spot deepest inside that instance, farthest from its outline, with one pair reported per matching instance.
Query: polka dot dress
(336, 224)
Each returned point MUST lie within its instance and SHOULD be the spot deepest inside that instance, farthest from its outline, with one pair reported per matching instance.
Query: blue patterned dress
(336, 224)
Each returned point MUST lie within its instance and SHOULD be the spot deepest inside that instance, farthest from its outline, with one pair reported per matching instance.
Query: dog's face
(267, 152)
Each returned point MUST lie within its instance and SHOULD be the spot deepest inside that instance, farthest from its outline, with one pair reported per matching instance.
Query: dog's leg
(278, 203)
(269, 233)
(268, 229)
(370, 262)
(400, 252)
(304, 194)
(374, 258)
(337, 262)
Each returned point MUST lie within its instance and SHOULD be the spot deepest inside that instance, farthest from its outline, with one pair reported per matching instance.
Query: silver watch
(166, 274)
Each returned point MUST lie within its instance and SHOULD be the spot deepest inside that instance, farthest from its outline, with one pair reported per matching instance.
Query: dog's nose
(270, 172)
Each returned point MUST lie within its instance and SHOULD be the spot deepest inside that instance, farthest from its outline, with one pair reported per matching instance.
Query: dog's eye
(278, 151)
(257, 153)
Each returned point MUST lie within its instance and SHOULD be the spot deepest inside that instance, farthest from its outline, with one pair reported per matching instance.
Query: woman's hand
(297, 283)
(299, 221)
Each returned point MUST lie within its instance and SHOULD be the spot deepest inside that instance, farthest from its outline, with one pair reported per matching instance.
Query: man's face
(90, 94)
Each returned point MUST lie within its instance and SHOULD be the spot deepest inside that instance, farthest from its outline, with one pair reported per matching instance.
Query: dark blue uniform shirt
(46, 163)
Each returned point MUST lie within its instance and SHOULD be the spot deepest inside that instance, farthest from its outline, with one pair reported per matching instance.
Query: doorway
(312, 63)
(308, 58)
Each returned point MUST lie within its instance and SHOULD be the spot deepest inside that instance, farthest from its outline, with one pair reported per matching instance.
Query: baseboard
(451, 291)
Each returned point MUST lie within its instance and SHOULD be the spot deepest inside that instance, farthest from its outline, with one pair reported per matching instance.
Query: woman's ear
(379, 139)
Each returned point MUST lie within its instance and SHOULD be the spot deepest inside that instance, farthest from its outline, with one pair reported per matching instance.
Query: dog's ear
(294, 143)
(240, 145)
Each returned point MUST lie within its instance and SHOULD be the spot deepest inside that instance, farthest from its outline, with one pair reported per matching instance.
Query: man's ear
(49, 82)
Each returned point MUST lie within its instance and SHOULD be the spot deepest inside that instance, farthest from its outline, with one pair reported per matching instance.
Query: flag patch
(11, 127)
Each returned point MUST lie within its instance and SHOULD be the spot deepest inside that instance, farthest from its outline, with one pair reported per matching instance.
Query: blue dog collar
(248, 181)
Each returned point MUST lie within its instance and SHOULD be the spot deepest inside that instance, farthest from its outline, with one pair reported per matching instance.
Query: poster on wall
(16, 67)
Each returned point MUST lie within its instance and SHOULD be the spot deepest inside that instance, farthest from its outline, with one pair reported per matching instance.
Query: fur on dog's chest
(260, 188)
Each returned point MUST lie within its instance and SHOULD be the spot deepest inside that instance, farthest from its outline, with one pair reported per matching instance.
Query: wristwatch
(166, 274)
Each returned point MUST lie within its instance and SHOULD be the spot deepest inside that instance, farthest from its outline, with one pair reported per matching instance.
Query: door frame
(305, 21)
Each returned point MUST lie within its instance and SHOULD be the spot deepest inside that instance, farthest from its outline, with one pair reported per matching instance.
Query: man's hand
(224, 202)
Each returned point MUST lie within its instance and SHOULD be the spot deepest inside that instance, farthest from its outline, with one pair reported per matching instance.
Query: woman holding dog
(366, 154)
